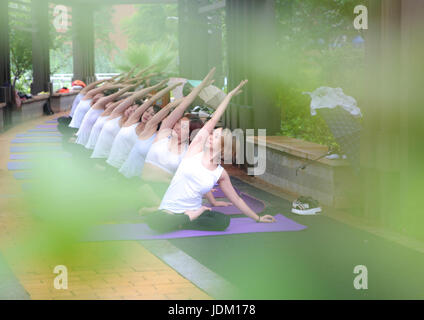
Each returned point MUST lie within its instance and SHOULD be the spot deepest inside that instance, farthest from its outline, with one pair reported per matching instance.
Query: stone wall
(62, 101)
(332, 182)
(30, 109)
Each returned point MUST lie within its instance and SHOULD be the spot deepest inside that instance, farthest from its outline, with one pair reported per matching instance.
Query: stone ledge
(65, 94)
(332, 182)
(299, 148)
(36, 98)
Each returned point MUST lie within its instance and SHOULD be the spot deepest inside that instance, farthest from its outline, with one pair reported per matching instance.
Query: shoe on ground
(305, 206)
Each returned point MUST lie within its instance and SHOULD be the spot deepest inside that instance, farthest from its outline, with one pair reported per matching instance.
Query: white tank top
(134, 164)
(95, 131)
(75, 104)
(106, 137)
(191, 181)
(80, 112)
(160, 156)
(122, 145)
(87, 124)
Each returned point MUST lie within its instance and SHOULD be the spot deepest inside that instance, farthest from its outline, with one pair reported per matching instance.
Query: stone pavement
(103, 270)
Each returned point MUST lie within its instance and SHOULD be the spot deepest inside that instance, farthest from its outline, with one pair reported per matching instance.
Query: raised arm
(139, 94)
(144, 70)
(102, 88)
(91, 86)
(104, 100)
(140, 110)
(159, 116)
(177, 114)
(198, 142)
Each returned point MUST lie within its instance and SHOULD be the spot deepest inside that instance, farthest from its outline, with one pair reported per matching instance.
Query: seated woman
(168, 149)
(199, 171)
(169, 146)
(98, 125)
(95, 111)
(136, 123)
(133, 165)
(63, 122)
(115, 121)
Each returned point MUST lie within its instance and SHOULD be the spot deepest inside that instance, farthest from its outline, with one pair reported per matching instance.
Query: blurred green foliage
(315, 49)
(153, 36)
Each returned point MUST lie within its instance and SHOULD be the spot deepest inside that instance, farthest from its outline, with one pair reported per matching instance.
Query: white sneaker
(305, 206)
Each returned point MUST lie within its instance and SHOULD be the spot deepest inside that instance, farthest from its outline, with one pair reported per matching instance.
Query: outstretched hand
(237, 90)
(266, 219)
(208, 80)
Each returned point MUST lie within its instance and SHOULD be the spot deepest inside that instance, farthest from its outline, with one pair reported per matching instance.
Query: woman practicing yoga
(136, 123)
(181, 206)
(168, 149)
(171, 141)
(94, 113)
(133, 165)
(89, 99)
(115, 121)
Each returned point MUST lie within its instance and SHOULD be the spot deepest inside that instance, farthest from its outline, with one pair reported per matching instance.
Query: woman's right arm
(177, 114)
(130, 100)
(198, 142)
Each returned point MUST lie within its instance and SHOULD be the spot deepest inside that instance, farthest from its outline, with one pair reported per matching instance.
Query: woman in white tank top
(116, 120)
(181, 206)
(133, 165)
(98, 125)
(94, 113)
(136, 123)
(89, 99)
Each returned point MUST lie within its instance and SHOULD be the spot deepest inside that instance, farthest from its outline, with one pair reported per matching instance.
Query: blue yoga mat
(29, 156)
(17, 149)
(38, 134)
(20, 165)
(22, 175)
(51, 121)
(110, 232)
(43, 130)
(37, 140)
(47, 126)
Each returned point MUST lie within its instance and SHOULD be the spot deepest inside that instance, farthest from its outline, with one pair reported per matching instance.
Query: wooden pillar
(251, 45)
(40, 46)
(193, 40)
(83, 43)
(5, 92)
(4, 44)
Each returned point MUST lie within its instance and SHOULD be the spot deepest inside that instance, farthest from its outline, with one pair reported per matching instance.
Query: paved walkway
(103, 270)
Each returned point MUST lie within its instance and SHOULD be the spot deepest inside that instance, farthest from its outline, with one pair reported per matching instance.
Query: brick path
(103, 270)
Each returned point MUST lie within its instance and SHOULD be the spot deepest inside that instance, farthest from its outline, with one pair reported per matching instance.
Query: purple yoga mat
(253, 203)
(219, 194)
(37, 140)
(47, 126)
(19, 165)
(112, 232)
(51, 121)
(43, 130)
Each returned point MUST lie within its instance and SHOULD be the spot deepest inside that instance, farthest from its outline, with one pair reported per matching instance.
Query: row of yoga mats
(41, 141)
